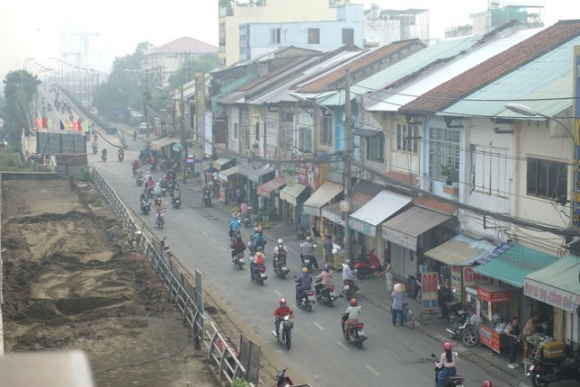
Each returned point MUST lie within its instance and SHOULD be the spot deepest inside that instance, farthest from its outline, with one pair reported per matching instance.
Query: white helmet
(280, 241)
(308, 239)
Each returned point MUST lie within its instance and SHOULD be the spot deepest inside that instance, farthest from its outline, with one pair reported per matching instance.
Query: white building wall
(233, 114)
(385, 31)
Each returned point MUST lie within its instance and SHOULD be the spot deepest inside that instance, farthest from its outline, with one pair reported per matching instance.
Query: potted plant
(448, 172)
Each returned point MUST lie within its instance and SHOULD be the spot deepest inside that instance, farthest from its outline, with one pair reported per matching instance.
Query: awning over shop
(292, 192)
(225, 175)
(321, 196)
(376, 211)
(245, 169)
(460, 251)
(163, 141)
(257, 173)
(267, 188)
(219, 163)
(404, 229)
(556, 284)
(514, 264)
(334, 214)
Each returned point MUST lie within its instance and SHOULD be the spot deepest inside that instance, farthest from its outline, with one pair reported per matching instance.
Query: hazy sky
(30, 28)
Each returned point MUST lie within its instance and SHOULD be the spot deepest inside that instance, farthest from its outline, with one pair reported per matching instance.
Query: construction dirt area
(72, 281)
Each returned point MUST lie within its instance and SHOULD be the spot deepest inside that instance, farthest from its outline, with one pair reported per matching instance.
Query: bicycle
(408, 317)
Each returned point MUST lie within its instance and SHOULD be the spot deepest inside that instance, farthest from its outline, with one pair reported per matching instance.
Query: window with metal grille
(305, 139)
(326, 130)
(407, 138)
(347, 36)
(489, 170)
(288, 130)
(375, 147)
(443, 151)
(274, 35)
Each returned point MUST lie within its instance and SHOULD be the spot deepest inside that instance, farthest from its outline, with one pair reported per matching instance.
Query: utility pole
(146, 100)
(347, 166)
(182, 126)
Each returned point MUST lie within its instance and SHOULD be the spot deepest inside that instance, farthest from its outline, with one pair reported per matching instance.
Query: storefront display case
(493, 316)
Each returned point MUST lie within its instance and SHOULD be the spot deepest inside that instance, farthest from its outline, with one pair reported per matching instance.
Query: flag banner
(62, 125)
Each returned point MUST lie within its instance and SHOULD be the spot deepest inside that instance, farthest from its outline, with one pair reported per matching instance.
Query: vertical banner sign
(429, 292)
(576, 110)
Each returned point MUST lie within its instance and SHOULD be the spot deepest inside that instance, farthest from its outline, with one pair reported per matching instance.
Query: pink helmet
(447, 346)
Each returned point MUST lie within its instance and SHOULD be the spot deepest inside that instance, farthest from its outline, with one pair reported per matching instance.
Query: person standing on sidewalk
(389, 275)
(397, 298)
(327, 246)
(513, 332)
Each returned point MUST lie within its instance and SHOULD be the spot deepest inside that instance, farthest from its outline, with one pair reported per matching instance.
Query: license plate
(361, 333)
(284, 268)
(307, 261)
(346, 287)
(310, 298)
(263, 275)
(332, 294)
(532, 368)
(241, 260)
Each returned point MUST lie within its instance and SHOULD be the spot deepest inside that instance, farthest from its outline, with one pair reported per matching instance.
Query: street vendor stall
(493, 316)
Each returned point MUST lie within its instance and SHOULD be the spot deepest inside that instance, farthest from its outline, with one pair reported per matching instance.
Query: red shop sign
(493, 295)
(489, 337)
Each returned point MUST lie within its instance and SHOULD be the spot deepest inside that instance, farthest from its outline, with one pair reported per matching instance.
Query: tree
(20, 87)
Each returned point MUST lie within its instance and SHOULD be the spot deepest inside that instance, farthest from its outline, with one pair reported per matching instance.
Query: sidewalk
(373, 291)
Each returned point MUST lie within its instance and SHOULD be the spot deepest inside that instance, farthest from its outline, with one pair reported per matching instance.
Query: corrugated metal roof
(320, 197)
(536, 84)
(562, 275)
(514, 264)
(467, 61)
(461, 250)
(415, 221)
(381, 207)
(446, 48)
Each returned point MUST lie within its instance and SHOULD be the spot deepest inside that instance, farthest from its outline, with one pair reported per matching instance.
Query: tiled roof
(446, 94)
(273, 73)
(407, 178)
(184, 44)
(321, 84)
(435, 205)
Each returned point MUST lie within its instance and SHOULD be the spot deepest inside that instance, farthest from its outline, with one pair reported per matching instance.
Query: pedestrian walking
(513, 332)
(397, 298)
(389, 276)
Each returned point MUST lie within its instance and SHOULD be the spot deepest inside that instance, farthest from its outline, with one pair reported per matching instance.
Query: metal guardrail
(203, 329)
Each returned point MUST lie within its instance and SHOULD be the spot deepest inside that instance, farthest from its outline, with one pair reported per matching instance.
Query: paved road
(198, 237)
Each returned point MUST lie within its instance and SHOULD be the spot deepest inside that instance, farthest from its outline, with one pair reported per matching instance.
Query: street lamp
(527, 111)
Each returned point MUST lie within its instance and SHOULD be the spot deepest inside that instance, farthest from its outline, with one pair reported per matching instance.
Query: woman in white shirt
(447, 362)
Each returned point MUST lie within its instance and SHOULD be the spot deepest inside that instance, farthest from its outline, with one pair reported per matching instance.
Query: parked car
(143, 127)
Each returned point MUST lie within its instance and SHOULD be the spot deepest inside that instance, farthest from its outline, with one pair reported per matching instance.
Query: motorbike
(356, 334)
(450, 381)
(160, 221)
(306, 300)
(284, 330)
(462, 326)
(282, 380)
(247, 218)
(280, 267)
(349, 288)
(326, 294)
(176, 202)
(259, 274)
(414, 288)
(545, 371)
(207, 198)
(120, 154)
(95, 149)
(370, 264)
(146, 205)
(103, 156)
(253, 249)
(239, 260)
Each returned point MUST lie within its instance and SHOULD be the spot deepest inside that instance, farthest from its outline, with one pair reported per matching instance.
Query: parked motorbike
(176, 202)
(95, 149)
(450, 381)
(326, 294)
(280, 267)
(349, 288)
(207, 198)
(370, 264)
(160, 221)
(545, 371)
(146, 205)
(284, 331)
(462, 326)
(306, 300)
(414, 288)
(239, 260)
(282, 380)
(356, 334)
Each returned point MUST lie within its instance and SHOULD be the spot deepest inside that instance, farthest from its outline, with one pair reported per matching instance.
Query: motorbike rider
(95, 146)
(237, 246)
(304, 283)
(234, 225)
(135, 166)
(353, 311)
(258, 238)
(120, 153)
(447, 363)
(150, 184)
(486, 383)
(308, 251)
(325, 278)
(280, 250)
(257, 262)
(175, 194)
(347, 274)
(104, 153)
(281, 311)
(159, 207)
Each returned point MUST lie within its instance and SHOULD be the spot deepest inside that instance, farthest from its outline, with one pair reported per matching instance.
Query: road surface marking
(317, 325)
(342, 345)
(223, 248)
(196, 226)
(204, 233)
(213, 240)
(372, 370)
(278, 293)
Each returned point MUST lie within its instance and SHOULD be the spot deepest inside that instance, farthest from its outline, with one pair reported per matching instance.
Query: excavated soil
(72, 281)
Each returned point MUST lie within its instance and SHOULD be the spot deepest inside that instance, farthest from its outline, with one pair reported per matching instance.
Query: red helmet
(447, 346)
(486, 383)
(353, 302)
(282, 302)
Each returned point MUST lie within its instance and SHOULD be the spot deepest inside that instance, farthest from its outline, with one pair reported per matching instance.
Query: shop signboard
(456, 280)
(470, 279)
(400, 238)
(551, 296)
(310, 174)
(493, 296)
(429, 292)
(362, 227)
(489, 337)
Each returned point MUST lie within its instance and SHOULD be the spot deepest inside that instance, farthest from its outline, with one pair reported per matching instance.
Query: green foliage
(197, 64)
(448, 172)
(19, 92)
(9, 161)
(237, 382)
(86, 175)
